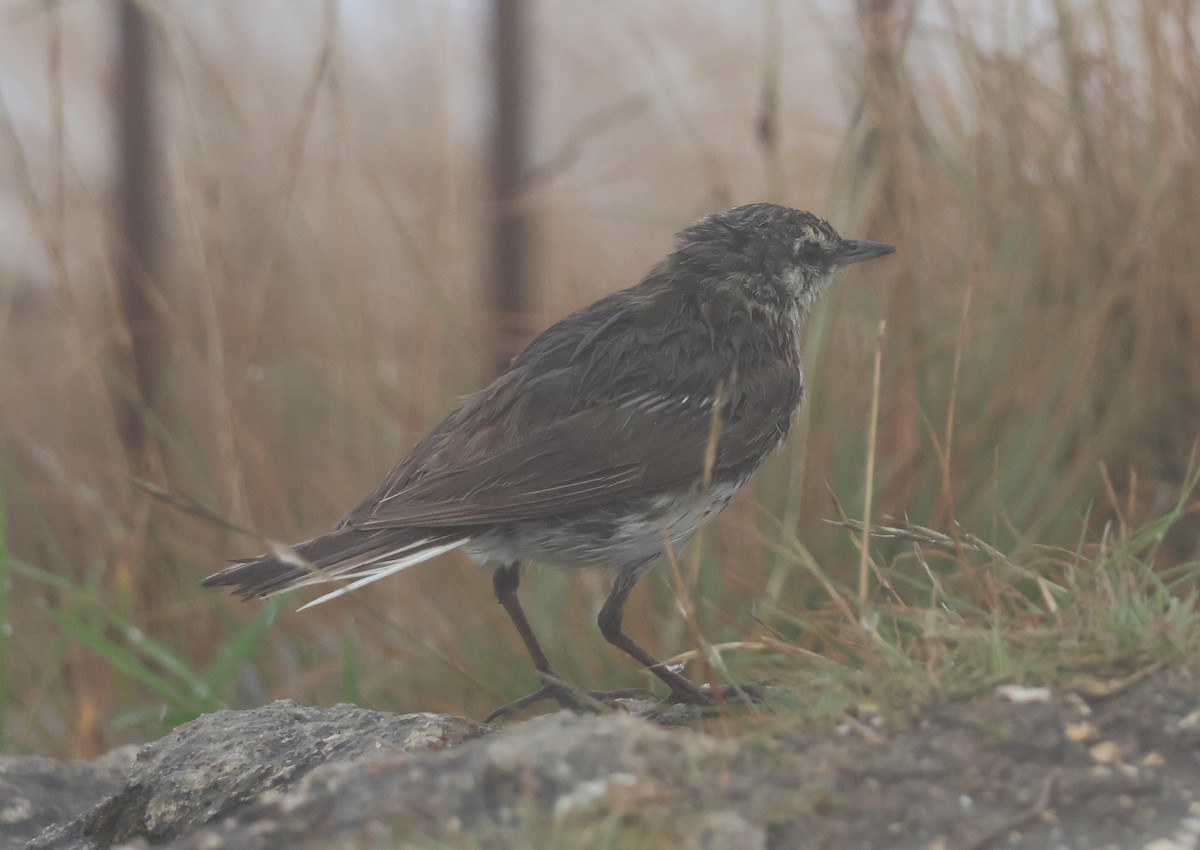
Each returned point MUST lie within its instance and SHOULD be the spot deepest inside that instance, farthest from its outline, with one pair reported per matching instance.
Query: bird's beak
(855, 251)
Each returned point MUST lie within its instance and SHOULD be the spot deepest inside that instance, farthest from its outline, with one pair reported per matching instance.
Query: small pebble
(1106, 752)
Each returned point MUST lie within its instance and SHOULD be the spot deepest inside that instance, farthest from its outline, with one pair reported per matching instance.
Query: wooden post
(510, 271)
(137, 236)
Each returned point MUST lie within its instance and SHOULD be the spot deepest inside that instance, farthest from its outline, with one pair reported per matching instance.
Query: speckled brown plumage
(593, 448)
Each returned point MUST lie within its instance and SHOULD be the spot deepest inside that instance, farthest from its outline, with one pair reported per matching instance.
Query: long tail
(346, 554)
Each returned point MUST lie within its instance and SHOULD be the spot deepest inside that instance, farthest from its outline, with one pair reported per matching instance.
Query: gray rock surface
(552, 781)
(37, 792)
(217, 764)
(1116, 766)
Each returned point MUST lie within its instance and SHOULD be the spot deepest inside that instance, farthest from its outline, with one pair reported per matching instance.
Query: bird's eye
(807, 252)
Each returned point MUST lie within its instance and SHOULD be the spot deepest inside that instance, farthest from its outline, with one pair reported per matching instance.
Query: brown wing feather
(591, 458)
(598, 409)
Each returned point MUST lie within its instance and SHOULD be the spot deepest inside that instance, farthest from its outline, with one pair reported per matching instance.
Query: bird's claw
(592, 702)
(703, 694)
(555, 690)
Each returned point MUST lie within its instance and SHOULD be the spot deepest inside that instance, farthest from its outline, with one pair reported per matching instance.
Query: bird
(613, 436)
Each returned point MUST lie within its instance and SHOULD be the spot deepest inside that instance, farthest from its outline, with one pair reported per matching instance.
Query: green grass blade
(236, 651)
(125, 662)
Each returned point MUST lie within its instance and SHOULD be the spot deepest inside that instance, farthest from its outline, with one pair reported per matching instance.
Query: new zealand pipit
(616, 433)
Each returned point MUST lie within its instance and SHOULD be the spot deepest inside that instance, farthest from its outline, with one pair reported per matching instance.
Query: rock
(37, 792)
(286, 776)
(217, 764)
(961, 772)
(555, 775)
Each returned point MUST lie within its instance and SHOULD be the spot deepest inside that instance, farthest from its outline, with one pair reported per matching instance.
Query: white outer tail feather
(382, 571)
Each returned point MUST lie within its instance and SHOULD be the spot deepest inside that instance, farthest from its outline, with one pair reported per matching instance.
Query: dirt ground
(1105, 764)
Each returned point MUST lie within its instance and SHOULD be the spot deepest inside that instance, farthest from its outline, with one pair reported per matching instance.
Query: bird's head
(783, 255)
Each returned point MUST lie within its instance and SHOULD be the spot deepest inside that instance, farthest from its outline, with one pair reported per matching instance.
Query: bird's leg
(683, 689)
(505, 580)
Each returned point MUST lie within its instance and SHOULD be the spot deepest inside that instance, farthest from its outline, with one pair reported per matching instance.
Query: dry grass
(1043, 319)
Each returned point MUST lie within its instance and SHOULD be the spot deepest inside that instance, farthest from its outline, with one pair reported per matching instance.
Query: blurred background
(249, 253)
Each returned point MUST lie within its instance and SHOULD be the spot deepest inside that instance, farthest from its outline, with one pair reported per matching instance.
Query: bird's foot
(703, 695)
(554, 689)
(593, 702)
(572, 699)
